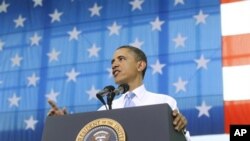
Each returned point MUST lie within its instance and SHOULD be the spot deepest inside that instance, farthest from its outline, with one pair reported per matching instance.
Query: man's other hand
(180, 121)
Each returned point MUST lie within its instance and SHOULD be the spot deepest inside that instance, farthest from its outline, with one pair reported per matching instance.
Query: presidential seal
(103, 129)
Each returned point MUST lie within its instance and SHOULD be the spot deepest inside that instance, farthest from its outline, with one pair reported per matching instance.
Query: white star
(72, 75)
(137, 43)
(110, 72)
(35, 39)
(16, 60)
(180, 85)
(52, 95)
(114, 29)
(30, 123)
(157, 67)
(92, 92)
(55, 16)
(93, 51)
(200, 18)
(53, 55)
(13, 101)
(3, 7)
(33, 80)
(38, 3)
(203, 109)
(176, 2)
(136, 4)
(180, 41)
(74, 34)
(1, 45)
(19, 21)
(156, 25)
(202, 62)
(95, 10)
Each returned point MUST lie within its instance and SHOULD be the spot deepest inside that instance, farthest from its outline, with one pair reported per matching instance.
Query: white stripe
(217, 137)
(235, 18)
(236, 82)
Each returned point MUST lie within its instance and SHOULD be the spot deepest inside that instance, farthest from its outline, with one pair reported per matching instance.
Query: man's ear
(141, 65)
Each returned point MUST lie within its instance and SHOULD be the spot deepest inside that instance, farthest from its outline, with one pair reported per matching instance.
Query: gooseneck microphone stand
(110, 98)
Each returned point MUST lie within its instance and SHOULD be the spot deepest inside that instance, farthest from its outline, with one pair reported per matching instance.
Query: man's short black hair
(140, 55)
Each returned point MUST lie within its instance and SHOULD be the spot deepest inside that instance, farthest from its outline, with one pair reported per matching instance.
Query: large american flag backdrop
(62, 50)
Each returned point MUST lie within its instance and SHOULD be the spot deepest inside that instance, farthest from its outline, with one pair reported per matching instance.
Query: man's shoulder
(162, 98)
(160, 95)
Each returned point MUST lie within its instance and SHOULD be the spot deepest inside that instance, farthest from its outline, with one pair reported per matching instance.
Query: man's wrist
(184, 130)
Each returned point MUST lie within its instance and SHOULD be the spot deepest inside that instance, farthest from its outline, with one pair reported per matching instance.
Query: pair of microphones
(111, 92)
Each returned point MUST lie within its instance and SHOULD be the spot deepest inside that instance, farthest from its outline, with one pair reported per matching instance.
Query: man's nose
(115, 64)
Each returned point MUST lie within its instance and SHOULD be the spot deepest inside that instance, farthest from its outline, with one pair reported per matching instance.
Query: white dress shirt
(143, 98)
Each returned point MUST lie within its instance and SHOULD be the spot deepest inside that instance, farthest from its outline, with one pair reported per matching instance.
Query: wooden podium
(145, 123)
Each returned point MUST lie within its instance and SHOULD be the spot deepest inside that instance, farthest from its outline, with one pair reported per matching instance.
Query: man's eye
(120, 59)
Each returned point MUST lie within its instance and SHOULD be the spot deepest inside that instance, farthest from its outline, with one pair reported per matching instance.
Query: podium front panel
(145, 123)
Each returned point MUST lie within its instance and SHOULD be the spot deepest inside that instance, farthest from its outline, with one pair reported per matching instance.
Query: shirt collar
(139, 91)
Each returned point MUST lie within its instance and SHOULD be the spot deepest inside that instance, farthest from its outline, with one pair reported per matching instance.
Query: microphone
(123, 88)
(106, 90)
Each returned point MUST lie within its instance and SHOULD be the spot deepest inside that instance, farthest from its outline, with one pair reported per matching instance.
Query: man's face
(124, 66)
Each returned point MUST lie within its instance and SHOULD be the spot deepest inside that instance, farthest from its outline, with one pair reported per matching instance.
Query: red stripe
(229, 1)
(236, 50)
(236, 112)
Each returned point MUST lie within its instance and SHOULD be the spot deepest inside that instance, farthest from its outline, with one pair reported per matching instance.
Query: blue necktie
(128, 100)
